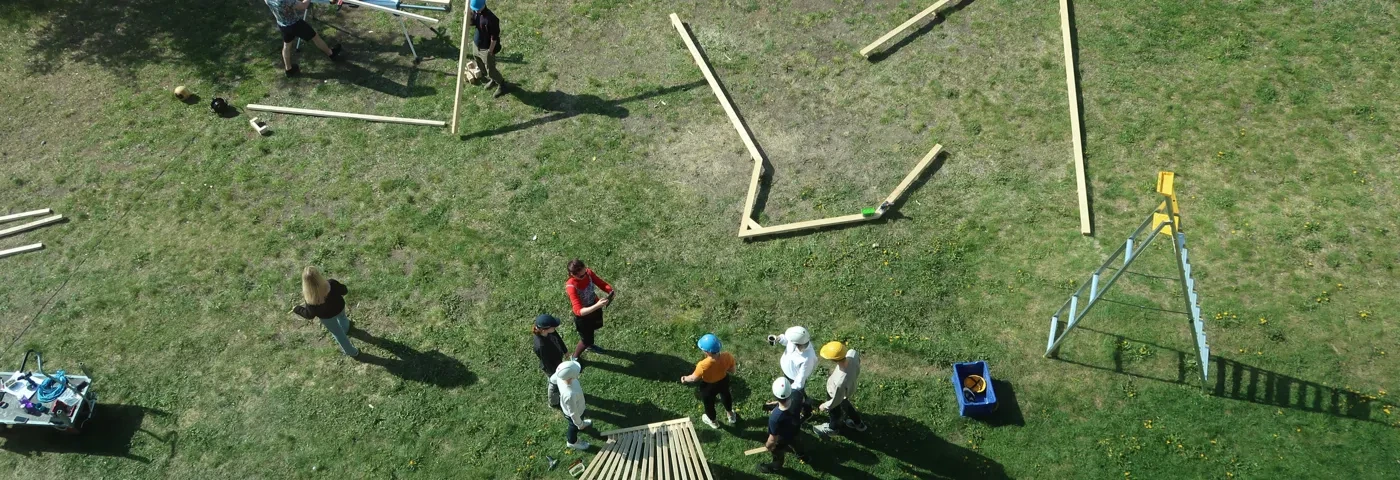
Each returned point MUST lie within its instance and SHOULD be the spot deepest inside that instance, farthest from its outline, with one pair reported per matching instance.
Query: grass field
(173, 279)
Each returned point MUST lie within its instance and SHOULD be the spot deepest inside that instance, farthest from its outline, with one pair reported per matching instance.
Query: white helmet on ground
(798, 335)
(782, 388)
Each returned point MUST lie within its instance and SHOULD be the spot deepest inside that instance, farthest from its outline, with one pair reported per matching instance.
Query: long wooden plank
(755, 451)
(865, 52)
(913, 174)
(1072, 86)
(809, 224)
(19, 250)
(461, 66)
(649, 456)
(635, 466)
(32, 213)
(599, 462)
(691, 457)
(610, 433)
(357, 116)
(752, 196)
(372, 6)
(605, 468)
(682, 455)
(30, 226)
(439, 2)
(663, 467)
(700, 450)
(620, 457)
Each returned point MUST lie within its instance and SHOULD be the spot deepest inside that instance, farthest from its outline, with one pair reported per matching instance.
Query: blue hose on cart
(53, 387)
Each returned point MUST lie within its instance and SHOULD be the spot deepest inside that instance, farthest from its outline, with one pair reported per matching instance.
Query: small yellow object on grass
(181, 92)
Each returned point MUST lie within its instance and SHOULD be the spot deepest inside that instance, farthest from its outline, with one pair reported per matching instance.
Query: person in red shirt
(588, 308)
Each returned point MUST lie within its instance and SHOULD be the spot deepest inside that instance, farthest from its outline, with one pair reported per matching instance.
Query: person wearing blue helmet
(712, 372)
(488, 44)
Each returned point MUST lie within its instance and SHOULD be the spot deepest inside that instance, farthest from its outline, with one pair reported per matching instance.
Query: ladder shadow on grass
(568, 105)
(433, 367)
(1234, 380)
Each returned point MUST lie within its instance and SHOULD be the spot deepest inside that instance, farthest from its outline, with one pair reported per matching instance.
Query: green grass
(173, 278)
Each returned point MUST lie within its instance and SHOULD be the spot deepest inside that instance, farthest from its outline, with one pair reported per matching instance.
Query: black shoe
(499, 93)
(767, 468)
(335, 53)
(591, 348)
(294, 71)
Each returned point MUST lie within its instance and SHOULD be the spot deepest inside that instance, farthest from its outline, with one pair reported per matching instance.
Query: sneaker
(586, 424)
(591, 348)
(823, 430)
(580, 446)
(859, 427)
(292, 72)
(335, 53)
(733, 418)
(708, 421)
(500, 92)
(767, 468)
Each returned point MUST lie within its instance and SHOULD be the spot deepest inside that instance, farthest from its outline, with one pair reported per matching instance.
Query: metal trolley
(67, 405)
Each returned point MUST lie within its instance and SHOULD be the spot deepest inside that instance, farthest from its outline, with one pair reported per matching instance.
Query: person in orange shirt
(713, 374)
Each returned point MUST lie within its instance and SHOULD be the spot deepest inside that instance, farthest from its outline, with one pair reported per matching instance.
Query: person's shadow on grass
(623, 414)
(923, 453)
(653, 366)
(432, 367)
(567, 105)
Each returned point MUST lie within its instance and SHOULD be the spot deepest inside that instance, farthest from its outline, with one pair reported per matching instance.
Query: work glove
(772, 339)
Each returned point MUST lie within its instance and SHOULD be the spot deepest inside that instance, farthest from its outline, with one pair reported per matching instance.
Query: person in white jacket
(571, 401)
(799, 360)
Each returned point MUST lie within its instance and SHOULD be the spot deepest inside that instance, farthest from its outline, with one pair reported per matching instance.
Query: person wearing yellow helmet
(841, 386)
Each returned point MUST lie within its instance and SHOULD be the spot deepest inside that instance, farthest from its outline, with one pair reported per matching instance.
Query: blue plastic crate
(982, 403)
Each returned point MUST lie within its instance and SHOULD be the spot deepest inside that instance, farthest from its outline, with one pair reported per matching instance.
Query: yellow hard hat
(834, 351)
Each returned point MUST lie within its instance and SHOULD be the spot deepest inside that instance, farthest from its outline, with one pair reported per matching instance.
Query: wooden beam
(357, 116)
(734, 119)
(865, 52)
(751, 224)
(388, 10)
(700, 450)
(610, 433)
(1072, 85)
(439, 2)
(19, 250)
(30, 226)
(810, 224)
(755, 451)
(913, 174)
(461, 64)
(31, 213)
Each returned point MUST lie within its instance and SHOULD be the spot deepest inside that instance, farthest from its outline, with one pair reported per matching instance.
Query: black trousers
(708, 392)
(780, 453)
(843, 411)
(587, 325)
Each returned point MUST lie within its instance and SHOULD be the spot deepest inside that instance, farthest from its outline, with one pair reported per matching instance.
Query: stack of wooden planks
(667, 450)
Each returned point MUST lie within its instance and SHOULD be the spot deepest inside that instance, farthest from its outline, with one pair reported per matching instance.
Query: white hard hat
(782, 388)
(568, 370)
(798, 335)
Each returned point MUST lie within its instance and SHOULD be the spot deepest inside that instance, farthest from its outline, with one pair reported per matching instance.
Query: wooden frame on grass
(865, 52)
(357, 116)
(1072, 85)
(461, 62)
(662, 450)
(19, 250)
(748, 227)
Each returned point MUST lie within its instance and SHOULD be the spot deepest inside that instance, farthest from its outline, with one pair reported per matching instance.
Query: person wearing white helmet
(784, 423)
(713, 374)
(799, 358)
(571, 402)
(841, 386)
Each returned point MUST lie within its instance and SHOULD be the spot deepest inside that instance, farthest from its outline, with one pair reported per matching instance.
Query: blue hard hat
(708, 343)
(477, 5)
(546, 320)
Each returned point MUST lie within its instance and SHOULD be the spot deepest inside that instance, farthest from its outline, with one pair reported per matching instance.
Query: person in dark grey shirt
(488, 44)
(325, 300)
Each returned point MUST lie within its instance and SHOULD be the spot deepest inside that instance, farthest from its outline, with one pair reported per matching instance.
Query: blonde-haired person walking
(325, 299)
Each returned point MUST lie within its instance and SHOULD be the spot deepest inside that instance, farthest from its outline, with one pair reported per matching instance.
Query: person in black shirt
(326, 300)
(784, 423)
(551, 350)
(488, 44)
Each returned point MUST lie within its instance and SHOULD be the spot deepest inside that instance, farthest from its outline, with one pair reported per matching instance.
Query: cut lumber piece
(372, 6)
(751, 224)
(909, 179)
(792, 227)
(755, 451)
(752, 197)
(610, 433)
(704, 463)
(865, 52)
(357, 116)
(31, 213)
(19, 250)
(1072, 85)
(461, 62)
(30, 226)
(439, 2)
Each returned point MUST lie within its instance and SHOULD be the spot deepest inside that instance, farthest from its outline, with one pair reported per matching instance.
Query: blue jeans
(572, 434)
(339, 326)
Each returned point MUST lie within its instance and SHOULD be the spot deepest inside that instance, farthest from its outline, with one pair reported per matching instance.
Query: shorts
(300, 29)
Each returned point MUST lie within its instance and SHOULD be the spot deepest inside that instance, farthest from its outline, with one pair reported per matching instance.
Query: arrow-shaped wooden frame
(748, 227)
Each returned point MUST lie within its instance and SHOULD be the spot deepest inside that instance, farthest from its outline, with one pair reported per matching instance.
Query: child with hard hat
(571, 402)
(841, 386)
(550, 349)
(784, 423)
(799, 359)
(713, 374)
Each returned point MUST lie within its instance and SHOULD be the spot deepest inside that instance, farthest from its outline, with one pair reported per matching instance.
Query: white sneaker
(586, 423)
(824, 430)
(580, 446)
(859, 427)
(733, 418)
(708, 421)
